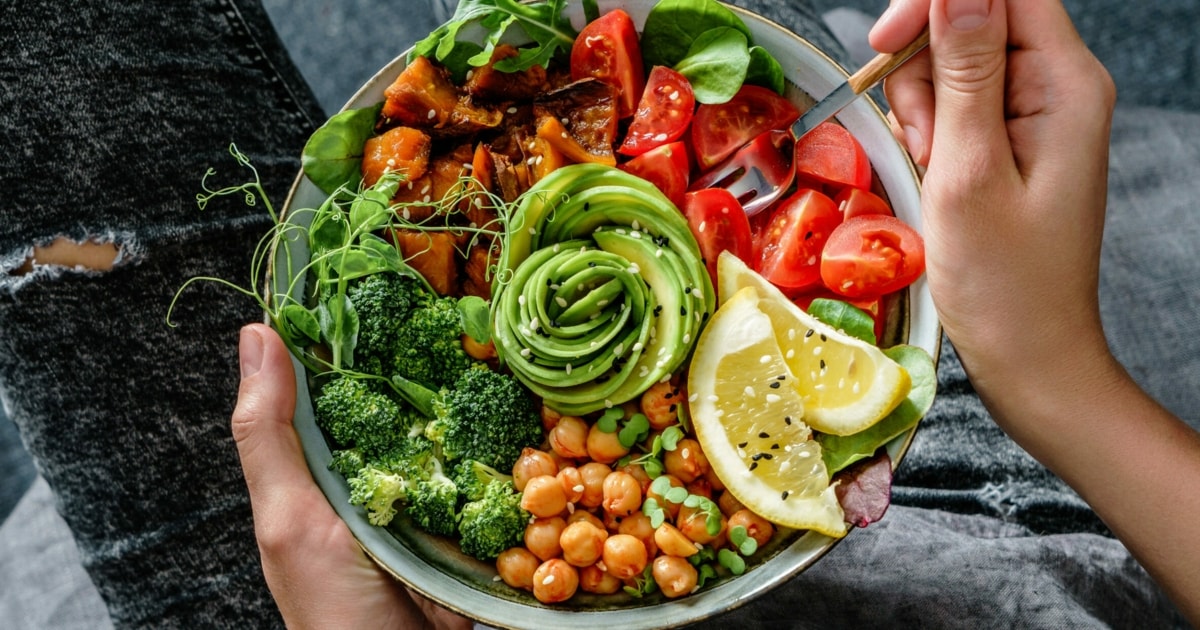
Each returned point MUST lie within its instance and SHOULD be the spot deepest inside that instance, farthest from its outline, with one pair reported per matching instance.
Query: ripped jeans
(111, 114)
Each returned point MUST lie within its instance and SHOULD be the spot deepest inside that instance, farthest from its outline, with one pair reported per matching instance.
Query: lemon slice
(747, 416)
(847, 384)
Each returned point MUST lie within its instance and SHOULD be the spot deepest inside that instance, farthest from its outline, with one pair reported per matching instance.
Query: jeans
(111, 115)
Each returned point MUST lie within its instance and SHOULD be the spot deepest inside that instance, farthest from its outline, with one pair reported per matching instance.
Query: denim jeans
(112, 113)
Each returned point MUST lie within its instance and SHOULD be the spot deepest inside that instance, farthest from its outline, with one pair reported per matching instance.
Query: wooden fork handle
(882, 65)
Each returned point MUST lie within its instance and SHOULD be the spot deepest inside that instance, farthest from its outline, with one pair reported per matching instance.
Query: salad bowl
(436, 567)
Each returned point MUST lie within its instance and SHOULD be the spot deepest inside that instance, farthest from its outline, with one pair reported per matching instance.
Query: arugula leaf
(673, 25)
(716, 64)
(840, 315)
(332, 157)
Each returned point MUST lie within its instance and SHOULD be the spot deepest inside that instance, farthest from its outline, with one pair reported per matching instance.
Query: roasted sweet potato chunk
(433, 255)
(488, 83)
(422, 96)
(587, 112)
(402, 149)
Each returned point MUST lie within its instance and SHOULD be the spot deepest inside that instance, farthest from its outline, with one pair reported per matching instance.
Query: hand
(316, 571)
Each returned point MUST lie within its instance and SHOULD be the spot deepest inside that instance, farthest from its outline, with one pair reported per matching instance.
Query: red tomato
(718, 223)
(666, 167)
(873, 306)
(831, 155)
(854, 202)
(872, 255)
(720, 129)
(608, 49)
(663, 114)
(791, 242)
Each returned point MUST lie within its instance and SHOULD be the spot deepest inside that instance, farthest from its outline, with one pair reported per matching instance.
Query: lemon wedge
(846, 384)
(747, 415)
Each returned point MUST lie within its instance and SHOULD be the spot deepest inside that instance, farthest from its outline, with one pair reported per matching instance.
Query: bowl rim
(378, 543)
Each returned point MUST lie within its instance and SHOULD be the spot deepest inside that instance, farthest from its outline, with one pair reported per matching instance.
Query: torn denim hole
(50, 259)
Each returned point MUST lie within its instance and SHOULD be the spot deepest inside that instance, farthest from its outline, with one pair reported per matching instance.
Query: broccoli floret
(433, 503)
(493, 523)
(347, 462)
(357, 413)
(485, 416)
(429, 350)
(473, 478)
(382, 302)
(377, 489)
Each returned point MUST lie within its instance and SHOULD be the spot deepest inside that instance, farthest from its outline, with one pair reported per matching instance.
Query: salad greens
(716, 64)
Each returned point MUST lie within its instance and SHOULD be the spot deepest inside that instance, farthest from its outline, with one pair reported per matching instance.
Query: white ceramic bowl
(435, 566)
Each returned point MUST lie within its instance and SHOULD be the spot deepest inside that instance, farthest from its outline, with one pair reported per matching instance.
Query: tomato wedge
(872, 255)
(831, 155)
(718, 223)
(719, 129)
(608, 49)
(792, 241)
(855, 202)
(666, 167)
(663, 114)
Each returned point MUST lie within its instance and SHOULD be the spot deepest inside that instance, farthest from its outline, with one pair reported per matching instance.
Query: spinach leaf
(476, 317)
(840, 315)
(673, 25)
(765, 70)
(716, 64)
(332, 157)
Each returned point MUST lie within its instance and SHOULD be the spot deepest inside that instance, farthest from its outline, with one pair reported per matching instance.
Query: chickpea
(604, 447)
(593, 474)
(572, 483)
(550, 418)
(624, 556)
(478, 351)
(516, 567)
(694, 524)
(622, 494)
(660, 404)
(675, 576)
(542, 537)
(700, 486)
(687, 461)
(759, 528)
(639, 472)
(555, 581)
(593, 579)
(672, 509)
(587, 517)
(638, 525)
(530, 464)
(568, 438)
(672, 541)
(729, 503)
(714, 480)
(582, 543)
(544, 496)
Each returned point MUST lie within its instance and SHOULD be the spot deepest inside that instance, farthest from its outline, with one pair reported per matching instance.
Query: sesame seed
(578, 488)
(774, 385)
(773, 398)
(809, 333)
(784, 496)
(743, 444)
(749, 391)
(817, 351)
(561, 301)
(775, 447)
(787, 420)
(432, 114)
(764, 359)
(568, 369)
(764, 435)
(548, 580)
(753, 465)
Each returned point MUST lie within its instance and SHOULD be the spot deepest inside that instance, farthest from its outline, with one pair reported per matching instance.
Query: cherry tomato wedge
(608, 49)
(854, 202)
(719, 129)
(666, 167)
(791, 242)
(830, 154)
(718, 223)
(872, 255)
(663, 114)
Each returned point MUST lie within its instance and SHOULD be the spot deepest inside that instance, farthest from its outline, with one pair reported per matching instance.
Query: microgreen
(732, 561)
(643, 584)
(746, 545)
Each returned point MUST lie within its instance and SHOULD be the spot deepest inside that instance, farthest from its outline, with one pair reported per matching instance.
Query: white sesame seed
(764, 359)
(703, 224)
(548, 580)
(568, 369)
(817, 351)
(790, 353)
(578, 488)
(561, 301)
(773, 398)
(432, 114)
(512, 110)
(749, 391)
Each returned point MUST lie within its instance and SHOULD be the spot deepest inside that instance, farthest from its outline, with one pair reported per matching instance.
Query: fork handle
(882, 65)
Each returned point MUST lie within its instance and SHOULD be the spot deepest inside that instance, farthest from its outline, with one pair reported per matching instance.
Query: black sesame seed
(822, 364)
(658, 310)
(683, 311)
(823, 337)
(787, 420)
(753, 465)
(809, 333)
(672, 408)
(767, 456)
(774, 447)
(781, 377)
(743, 445)
(757, 456)
(784, 496)
(774, 385)
(587, 205)
(764, 435)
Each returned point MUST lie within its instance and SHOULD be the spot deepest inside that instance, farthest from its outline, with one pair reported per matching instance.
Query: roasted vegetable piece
(587, 110)
(488, 83)
(432, 254)
(401, 149)
(423, 96)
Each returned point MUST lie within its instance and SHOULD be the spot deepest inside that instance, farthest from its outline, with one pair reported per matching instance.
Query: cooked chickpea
(694, 524)
(542, 537)
(675, 576)
(714, 480)
(603, 446)
(660, 404)
(593, 579)
(672, 509)
(550, 418)
(516, 567)
(586, 516)
(622, 494)
(624, 556)
(555, 581)
(729, 503)
(593, 474)
(530, 464)
(568, 438)
(687, 461)
(700, 486)
(543, 496)
(582, 543)
(672, 542)
(572, 483)
(759, 528)
(638, 525)
(639, 472)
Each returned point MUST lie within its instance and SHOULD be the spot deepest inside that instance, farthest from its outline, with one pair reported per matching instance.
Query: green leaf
(704, 573)
(716, 64)
(329, 231)
(387, 253)
(298, 320)
(543, 23)
(371, 209)
(676, 495)
(609, 419)
(732, 561)
(332, 157)
(636, 428)
(738, 535)
(838, 452)
(339, 328)
(661, 486)
(670, 437)
(476, 317)
(765, 70)
(673, 25)
(840, 315)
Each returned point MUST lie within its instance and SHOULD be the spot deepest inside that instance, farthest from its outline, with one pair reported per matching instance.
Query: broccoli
(347, 462)
(377, 489)
(429, 347)
(433, 504)
(493, 523)
(357, 413)
(472, 478)
(410, 473)
(485, 416)
(382, 302)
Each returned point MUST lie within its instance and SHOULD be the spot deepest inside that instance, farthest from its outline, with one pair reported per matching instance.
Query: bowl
(437, 569)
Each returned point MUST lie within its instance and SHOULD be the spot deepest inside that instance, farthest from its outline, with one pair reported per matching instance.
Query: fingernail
(967, 15)
(916, 145)
(250, 352)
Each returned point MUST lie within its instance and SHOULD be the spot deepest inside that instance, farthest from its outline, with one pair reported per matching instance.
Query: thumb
(968, 51)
